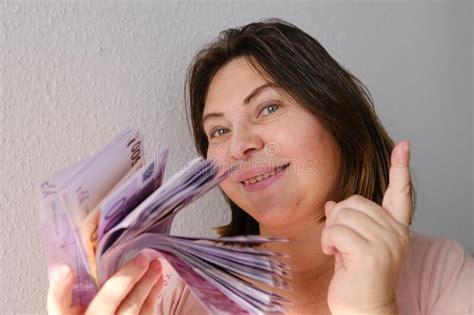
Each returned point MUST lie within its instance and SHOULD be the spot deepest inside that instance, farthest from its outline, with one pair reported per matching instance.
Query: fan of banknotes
(98, 214)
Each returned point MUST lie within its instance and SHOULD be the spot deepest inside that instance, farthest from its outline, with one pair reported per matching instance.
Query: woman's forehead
(234, 84)
(238, 76)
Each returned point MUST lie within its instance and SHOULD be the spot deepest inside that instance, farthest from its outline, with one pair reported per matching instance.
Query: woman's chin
(274, 217)
(286, 219)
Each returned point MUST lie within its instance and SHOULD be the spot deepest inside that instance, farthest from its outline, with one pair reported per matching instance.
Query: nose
(244, 143)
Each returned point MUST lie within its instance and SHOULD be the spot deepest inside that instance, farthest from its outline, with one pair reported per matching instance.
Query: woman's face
(252, 123)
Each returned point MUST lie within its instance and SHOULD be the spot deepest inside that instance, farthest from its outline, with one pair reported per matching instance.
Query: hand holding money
(134, 289)
(103, 214)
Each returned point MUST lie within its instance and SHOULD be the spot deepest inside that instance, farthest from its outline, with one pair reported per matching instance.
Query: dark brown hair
(303, 68)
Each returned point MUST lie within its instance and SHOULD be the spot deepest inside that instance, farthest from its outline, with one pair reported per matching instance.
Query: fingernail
(63, 273)
(156, 265)
(406, 146)
(141, 261)
(329, 204)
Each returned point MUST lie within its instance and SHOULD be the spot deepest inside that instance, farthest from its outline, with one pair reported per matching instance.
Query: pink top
(437, 279)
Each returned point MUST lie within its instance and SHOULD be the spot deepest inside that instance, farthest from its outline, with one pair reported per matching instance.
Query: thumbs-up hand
(370, 244)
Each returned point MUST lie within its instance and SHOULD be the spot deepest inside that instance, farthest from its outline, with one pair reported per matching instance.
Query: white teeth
(259, 178)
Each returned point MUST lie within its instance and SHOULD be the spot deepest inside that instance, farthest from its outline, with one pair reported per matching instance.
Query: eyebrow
(247, 99)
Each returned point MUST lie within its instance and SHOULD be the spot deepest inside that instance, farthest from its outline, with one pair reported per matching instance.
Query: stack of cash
(100, 213)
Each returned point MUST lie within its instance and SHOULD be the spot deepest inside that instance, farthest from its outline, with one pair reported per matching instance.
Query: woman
(315, 166)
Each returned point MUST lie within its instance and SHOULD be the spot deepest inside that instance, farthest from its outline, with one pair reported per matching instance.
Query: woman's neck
(304, 247)
(311, 269)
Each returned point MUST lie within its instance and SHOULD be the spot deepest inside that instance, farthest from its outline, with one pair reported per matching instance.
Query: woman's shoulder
(426, 249)
(430, 242)
(437, 277)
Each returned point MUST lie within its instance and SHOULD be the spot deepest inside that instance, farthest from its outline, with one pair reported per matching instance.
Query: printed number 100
(135, 151)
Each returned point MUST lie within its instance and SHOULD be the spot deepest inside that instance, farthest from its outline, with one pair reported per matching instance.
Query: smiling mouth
(261, 177)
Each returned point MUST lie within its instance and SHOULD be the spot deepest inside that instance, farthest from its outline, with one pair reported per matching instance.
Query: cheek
(219, 154)
(211, 152)
(231, 190)
(317, 158)
(322, 170)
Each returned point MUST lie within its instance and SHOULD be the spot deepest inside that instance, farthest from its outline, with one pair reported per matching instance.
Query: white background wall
(73, 75)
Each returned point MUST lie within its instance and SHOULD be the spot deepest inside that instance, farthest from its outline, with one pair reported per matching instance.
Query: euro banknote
(100, 213)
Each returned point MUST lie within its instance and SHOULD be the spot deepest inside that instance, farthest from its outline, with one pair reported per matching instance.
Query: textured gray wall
(73, 75)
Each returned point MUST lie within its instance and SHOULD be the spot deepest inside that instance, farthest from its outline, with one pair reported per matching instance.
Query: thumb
(398, 199)
(60, 292)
